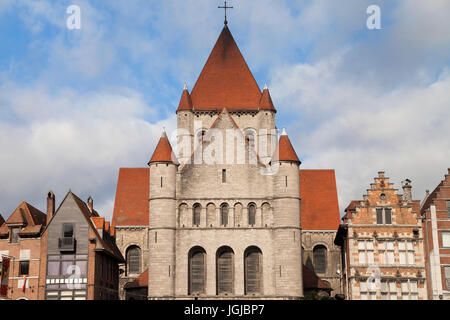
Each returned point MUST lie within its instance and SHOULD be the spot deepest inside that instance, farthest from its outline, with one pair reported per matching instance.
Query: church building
(221, 219)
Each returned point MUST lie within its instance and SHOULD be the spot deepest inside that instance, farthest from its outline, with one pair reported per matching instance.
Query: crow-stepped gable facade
(223, 216)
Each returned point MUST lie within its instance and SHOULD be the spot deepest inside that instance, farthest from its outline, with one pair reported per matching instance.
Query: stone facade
(126, 238)
(382, 245)
(172, 232)
(332, 274)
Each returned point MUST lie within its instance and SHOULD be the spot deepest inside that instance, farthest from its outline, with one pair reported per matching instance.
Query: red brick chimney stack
(90, 204)
(50, 205)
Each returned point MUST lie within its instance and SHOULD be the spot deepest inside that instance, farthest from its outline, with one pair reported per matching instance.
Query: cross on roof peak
(225, 7)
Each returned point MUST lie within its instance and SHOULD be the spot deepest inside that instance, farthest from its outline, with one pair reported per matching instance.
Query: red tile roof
(25, 214)
(131, 206)
(226, 81)
(285, 151)
(2, 221)
(319, 207)
(99, 222)
(163, 151)
(141, 281)
(312, 281)
(185, 101)
(265, 103)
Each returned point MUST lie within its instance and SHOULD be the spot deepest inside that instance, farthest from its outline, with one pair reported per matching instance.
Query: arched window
(196, 215)
(251, 214)
(200, 135)
(253, 270)
(224, 214)
(225, 272)
(197, 271)
(320, 259)
(133, 260)
(250, 137)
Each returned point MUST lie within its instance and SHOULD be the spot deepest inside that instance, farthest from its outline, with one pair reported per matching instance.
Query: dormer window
(14, 235)
(384, 215)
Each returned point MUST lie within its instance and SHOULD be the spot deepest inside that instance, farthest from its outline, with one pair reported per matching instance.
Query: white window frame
(410, 290)
(445, 242)
(366, 250)
(388, 290)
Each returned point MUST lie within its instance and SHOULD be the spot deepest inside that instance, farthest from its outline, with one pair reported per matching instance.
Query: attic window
(14, 235)
(382, 196)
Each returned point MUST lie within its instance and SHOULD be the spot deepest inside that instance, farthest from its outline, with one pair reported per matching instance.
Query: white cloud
(358, 130)
(68, 140)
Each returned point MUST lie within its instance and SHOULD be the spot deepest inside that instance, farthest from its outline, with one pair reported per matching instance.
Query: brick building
(382, 245)
(79, 258)
(435, 211)
(20, 239)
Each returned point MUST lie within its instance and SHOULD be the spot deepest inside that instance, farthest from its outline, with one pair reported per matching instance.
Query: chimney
(90, 204)
(380, 174)
(406, 185)
(50, 206)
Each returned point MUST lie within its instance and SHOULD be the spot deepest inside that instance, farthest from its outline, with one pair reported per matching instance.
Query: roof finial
(164, 132)
(266, 87)
(225, 7)
(284, 132)
(185, 86)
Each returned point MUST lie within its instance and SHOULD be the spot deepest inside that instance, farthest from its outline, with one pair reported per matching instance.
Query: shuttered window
(196, 218)
(197, 272)
(133, 259)
(225, 272)
(252, 271)
(320, 259)
(224, 215)
(251, 214)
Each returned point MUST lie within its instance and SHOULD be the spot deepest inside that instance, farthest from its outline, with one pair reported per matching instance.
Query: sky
(76, 105)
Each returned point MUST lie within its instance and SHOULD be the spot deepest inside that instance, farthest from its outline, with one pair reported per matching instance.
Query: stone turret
(267, 135)
(185, 123)
(162, 221)
(287, 234)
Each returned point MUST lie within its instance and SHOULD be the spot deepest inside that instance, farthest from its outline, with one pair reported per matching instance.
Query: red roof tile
(99, 222)
(131, 206)
(319, 207)
(312, 281)
(185, 101)
(226, 81)
(163, 151)
(141, 281)
(285, 151)
(25, 214)
(265, 103)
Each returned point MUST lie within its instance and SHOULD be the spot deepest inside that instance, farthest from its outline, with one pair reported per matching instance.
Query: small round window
(382, 196)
